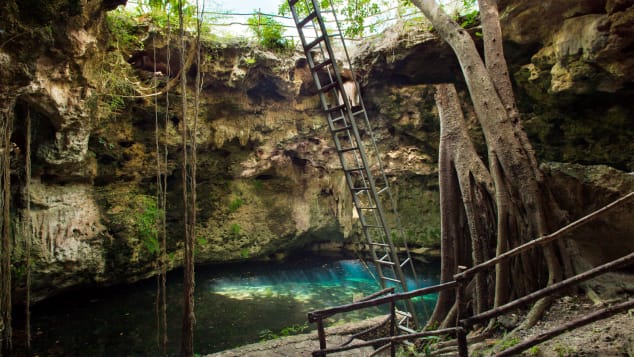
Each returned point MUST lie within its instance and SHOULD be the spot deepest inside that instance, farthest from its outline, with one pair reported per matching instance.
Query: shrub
(268, 31)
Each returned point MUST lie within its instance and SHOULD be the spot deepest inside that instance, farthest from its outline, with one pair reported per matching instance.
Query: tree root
(593, 296)
(535, 314)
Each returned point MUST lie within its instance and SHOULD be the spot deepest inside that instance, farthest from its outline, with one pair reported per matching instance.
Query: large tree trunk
(466, 190)
(519, 197)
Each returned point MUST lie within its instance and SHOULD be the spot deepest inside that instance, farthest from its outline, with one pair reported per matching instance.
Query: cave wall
(575, 84)
(268, 178)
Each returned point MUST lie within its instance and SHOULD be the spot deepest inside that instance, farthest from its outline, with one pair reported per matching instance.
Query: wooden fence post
(392, 327)
(461, 333)
(322, 335)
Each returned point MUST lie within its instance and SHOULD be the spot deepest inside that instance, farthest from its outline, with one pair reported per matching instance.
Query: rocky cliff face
(268, 179)
(575, 77)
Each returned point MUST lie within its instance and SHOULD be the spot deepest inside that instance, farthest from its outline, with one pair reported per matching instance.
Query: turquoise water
(234, 305)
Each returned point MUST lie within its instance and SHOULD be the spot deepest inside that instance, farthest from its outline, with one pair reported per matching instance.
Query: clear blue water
(233, 303)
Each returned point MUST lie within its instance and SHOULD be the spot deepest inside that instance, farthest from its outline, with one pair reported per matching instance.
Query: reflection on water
(233, 303)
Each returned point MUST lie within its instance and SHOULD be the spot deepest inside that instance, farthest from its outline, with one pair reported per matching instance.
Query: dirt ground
(613, 336)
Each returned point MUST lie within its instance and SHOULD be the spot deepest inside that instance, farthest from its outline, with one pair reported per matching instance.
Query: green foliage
(268, 31)
(429, 342)
(407, 351)
(356, 13)
(507, 342)
(235, 229)
(123, 30)
(563, 350)
(202, 241)
(250, 61)
(469, 19)
(533, 351)
(146, 222)
(295, 329)
(470, 4)
(244, 253)
(257, 185)
(235, 204)
(164, 12)
(111, 76)
(267, 334)
(429, 238)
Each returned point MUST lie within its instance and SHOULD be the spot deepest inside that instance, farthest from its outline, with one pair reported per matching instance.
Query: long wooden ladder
(370, 192)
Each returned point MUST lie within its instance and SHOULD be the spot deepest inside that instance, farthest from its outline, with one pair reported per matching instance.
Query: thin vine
(5, 266)
(28, 231)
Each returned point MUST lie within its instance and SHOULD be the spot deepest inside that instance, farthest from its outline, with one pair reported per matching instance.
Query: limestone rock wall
(574, 78)
(268, 178)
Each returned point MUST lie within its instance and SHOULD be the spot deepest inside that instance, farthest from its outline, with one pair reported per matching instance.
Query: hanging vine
(28, 231)
(161, 193)
(188, 172)
(5, 253)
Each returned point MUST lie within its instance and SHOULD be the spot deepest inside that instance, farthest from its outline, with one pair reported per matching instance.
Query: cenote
(235, 304)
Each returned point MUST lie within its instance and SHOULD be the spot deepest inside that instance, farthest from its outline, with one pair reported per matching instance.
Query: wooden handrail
(377, 294)
(393, 339)
(459, 281)
(318, 315)
(587, 275)
(544, 336)
(542, 240)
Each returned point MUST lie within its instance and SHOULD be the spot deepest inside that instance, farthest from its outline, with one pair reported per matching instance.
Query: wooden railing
(460, 282)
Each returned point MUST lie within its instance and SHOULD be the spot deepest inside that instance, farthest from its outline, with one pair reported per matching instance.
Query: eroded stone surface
(268, 176)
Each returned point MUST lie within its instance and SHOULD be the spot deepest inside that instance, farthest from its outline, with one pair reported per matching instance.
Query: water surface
(235, 304)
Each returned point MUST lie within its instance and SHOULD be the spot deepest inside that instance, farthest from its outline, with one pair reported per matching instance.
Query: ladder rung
(372, 226)
(405, 262)
(353, 169)
(343, 128)
(353, 148)
(309, 46)
(391, 279)
(323, 64)
(358, 112)
(385, 262)
(382, 190)
(367, 208)
(336, 108)
(406, 329)
(358, 189)
(404, 314)
(329, 86)
(308, 18)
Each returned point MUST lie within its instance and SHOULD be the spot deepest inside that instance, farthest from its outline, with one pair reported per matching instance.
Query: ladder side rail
(360, 212)
(357, 136)
(369, 128)
(359, 144)
(366, 120)
(362, 152)
(324, 101)
(360, 147)
(361, 102)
